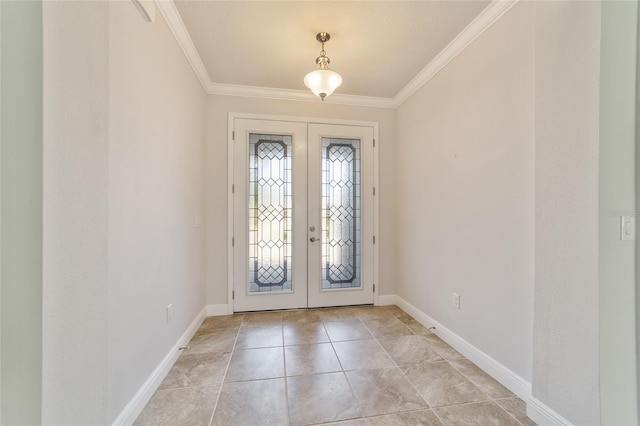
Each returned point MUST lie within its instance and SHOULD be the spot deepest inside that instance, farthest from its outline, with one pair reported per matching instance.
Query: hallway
(362, 365)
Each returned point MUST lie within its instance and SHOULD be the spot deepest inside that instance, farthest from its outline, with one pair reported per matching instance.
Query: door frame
(232, 116)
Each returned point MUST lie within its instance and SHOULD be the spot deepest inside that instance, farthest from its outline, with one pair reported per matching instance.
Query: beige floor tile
(394, 310)
(362, 354)
(517, 408)
(216, 341)
(336, 314)
(388, 327)
(407, 320)
(220, 323)
(409, 349)
(310, 359)
(320, 398)
(356, 422)
(259, 402)
(303, 316)
(254, 364)
(479, 414)
(372, 312)
(205, 369)
(443, 349)
(482, 380)
(259, 337)
(262, 319)
(384, 391)
(440, 384)
(313, 347)
(346, 330)
(412, 418)
(419, 329)
(192, 406)
(304, 333)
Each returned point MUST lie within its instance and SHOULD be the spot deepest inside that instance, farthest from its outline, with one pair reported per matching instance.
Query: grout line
(408, 380)
(404, 375)
(508, 413)
(333, 347)
(226, 370)
(284, 372)
(344, 373)
(489, 396)
(437, 416)
(480, 402)
(468, 379)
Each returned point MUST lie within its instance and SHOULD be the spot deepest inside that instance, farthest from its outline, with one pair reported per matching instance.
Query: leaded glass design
(340, 213)
(270, 213)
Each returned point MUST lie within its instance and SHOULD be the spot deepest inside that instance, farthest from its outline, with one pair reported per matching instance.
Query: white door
(340, 192)
(302, 215)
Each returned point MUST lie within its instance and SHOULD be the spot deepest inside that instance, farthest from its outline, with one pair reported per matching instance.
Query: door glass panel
(270, 213)
(340, 213)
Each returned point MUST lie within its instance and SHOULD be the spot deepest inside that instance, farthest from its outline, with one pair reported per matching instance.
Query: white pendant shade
(322, 82)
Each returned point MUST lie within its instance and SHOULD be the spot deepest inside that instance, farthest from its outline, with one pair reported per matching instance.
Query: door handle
(314, 239)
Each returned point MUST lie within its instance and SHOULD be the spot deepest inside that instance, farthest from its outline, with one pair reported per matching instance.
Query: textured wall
(565, 358)
(76, 77)
(21, 244)
(156, 190)
(618, 391)
(124, 181)
(464, 193)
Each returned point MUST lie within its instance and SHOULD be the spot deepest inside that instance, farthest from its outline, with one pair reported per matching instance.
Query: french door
(303, 215)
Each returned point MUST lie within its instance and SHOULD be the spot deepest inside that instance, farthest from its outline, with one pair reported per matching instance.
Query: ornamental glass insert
(270, 213)
(341, 213)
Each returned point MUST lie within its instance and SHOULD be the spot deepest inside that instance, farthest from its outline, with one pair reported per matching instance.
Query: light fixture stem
(322, 81)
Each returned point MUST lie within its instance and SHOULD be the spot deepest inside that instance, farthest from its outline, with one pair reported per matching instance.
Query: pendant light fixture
(323, 81)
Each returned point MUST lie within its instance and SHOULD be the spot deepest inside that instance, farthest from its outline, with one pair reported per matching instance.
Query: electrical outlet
(627, 228)
(169, 312)
(456, 300)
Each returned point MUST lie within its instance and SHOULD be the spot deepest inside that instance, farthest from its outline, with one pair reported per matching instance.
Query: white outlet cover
(456, 300)
(627, 228)
(169, 312)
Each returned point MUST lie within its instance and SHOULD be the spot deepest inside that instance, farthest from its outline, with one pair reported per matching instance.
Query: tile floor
(351, 366)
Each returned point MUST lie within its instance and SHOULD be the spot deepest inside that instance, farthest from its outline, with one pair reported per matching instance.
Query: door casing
(230, 205)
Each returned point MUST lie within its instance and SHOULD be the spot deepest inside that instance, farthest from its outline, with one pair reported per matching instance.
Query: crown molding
(494, 11)
(176, 25)
(297, 95)
(484, 21)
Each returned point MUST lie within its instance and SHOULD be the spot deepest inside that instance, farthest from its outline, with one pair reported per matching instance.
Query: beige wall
(565, 337)
(218, 108)
(124, 180)
(618, 368)
(465, 193)
(527, 88)
(156, 190)
(21, 243)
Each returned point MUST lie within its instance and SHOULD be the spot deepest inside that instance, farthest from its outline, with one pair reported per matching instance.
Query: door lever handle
(314, 239)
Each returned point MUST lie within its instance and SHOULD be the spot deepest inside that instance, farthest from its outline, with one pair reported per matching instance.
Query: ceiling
(377, 46)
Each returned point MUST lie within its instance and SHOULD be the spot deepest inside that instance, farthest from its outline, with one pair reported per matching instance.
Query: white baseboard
(536, 410)
(387, 300)
(543, 415)
(144, 394)
(217, 310)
